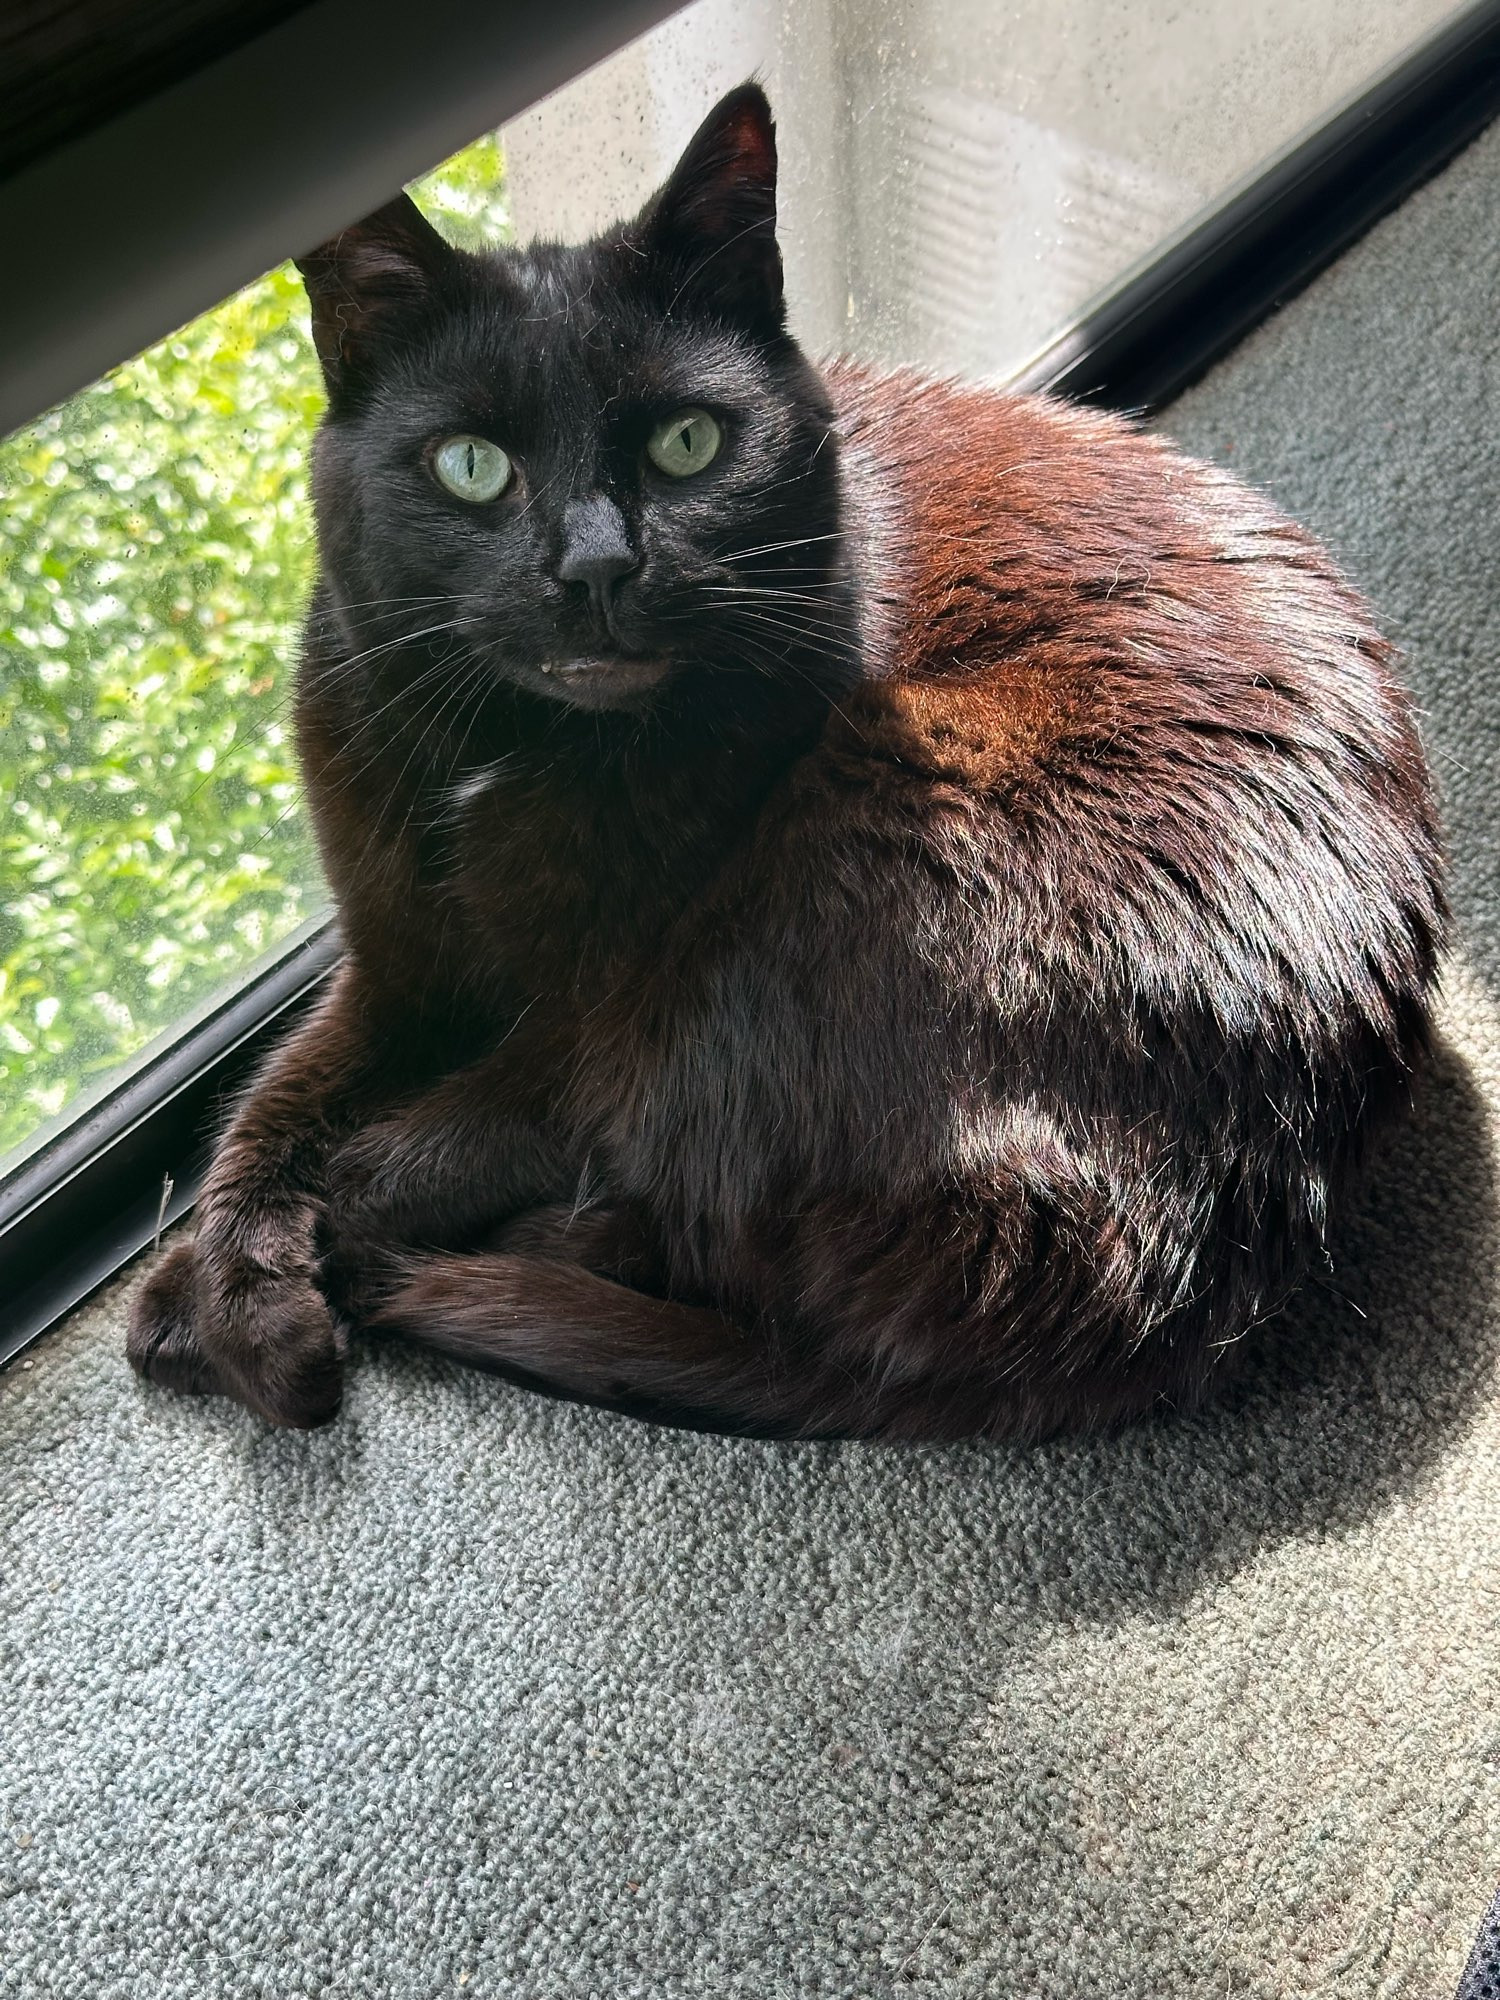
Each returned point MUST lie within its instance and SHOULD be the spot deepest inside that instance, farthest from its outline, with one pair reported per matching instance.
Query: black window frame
(317, 121)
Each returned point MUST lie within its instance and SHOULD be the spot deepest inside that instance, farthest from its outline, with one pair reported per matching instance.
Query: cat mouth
(601, 680)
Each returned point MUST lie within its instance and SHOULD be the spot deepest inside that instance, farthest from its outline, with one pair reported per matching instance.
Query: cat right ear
(712, 228)
(366, 281)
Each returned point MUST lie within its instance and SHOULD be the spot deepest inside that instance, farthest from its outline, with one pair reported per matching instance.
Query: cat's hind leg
(1014, 1309)
(589, 1337)
(555, 1325)
(569, 1331)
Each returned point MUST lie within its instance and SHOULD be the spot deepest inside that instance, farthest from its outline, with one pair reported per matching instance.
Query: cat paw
(162, 1340)
(268, 1342)
(295, 1353)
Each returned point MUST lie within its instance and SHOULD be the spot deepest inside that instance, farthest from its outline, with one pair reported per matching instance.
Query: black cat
(872, 905)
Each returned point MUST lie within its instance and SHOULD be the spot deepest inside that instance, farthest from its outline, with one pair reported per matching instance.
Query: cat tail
(591, 1339)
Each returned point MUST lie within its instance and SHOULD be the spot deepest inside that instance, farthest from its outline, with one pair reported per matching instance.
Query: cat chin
(593, 681)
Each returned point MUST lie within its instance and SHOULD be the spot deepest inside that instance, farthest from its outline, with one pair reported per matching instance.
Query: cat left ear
(368, 280)
(713, 226)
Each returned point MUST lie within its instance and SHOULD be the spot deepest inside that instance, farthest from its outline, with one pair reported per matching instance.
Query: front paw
(162, 1340)
(292, 1370)
(267, 1341)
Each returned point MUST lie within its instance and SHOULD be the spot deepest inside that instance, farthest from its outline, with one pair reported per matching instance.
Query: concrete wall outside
(960, 178)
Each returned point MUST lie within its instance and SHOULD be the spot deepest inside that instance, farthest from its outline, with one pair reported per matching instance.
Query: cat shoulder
(1005, 548)
(1049, 588)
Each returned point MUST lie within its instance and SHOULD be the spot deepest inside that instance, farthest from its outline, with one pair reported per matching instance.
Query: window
(958, 182)
(959, 178)
(157, 557)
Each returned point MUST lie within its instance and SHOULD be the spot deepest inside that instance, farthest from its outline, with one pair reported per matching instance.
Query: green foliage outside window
(155, 557)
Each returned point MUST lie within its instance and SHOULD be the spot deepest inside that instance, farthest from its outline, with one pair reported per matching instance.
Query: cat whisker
(358, 770)
(437, 671)
(474, 682)
(772, 548)
(816, 634)
(754, 581)
(440, 672)
(783, 661)
(820, 638)
(365, 603)
(452, 697)
(806, 576)
(334, 668)
(803, 599)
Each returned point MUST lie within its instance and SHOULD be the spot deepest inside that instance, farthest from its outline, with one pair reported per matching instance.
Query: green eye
(685, 443)
(472, 468)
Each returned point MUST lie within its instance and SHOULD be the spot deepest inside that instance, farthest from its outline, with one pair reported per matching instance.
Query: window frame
(82, 1205)
(293, 135)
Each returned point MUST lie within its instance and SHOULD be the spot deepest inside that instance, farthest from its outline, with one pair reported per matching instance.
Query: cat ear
(366, 280)
(712, 228)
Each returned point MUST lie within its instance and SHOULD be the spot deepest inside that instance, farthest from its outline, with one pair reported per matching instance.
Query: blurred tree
(155, 556)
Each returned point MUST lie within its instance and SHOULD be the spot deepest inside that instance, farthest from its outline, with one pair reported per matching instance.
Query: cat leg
(163, 1338)
(239, 1309)
(1015, 1310)
(588, 1337)
(535, 1311)
(443, 1171)
(568, 1330)
(607, 1238)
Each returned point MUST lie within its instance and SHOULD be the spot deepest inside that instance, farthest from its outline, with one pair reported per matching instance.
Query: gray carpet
(477, 1694)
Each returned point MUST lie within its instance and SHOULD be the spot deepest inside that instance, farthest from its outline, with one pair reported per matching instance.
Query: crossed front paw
(162, 1341)
(267, 1340)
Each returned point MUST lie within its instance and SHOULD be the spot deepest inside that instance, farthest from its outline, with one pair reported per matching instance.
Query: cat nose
(596, 547)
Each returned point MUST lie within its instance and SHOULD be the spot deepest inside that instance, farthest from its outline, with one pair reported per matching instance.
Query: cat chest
(545, 902)
(759, 1060)
(572, 883)
(725, 1022)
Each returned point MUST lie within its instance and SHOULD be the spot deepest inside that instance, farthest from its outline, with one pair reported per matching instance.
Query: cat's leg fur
(344, 1155)
(444, 1170)
(566, 1329)
(163, 1339)
(966, 1313)
(586, 1336)
(239, 1310)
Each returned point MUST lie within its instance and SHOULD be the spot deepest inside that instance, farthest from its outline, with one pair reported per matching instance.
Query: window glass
(959, 178)
(155, 557)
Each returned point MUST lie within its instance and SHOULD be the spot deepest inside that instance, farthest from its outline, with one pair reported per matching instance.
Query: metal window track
(1192, 300)
(81, 1207)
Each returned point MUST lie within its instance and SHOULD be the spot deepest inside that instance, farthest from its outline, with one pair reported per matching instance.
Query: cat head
(607, 472)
